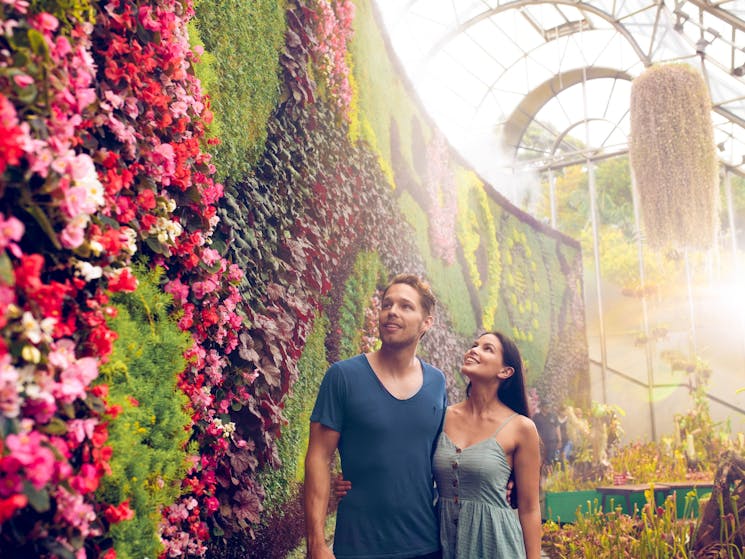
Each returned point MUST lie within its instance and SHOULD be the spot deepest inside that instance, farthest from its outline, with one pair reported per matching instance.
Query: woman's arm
(526, 465)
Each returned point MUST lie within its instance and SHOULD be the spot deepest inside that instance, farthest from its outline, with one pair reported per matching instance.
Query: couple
(386, 412)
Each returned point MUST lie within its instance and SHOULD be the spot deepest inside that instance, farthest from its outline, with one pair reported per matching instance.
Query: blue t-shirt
(386, 449)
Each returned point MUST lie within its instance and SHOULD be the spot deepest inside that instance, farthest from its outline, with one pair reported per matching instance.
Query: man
(383, 411)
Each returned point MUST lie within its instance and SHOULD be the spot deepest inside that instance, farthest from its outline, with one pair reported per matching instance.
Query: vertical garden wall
(200, 203)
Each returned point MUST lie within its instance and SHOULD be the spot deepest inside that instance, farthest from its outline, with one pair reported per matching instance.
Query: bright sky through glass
(486, 69)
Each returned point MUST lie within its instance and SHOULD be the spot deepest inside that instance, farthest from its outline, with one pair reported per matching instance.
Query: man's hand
(511, 492)
(320, 552)
(341, 486)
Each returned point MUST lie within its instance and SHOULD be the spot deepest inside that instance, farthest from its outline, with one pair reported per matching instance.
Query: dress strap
(505, 422)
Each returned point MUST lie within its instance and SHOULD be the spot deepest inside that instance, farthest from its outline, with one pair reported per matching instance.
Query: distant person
(547, 423)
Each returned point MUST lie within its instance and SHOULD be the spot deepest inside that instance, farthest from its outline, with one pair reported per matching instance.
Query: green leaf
(6, 270)
(38, 499)
(41, 218)
(37, 43)
(156, 246)
(27, 94)
(55, 427)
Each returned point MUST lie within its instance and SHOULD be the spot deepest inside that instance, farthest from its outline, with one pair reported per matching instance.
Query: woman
(484, 439)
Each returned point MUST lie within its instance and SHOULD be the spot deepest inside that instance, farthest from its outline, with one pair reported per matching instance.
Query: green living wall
(201, 202)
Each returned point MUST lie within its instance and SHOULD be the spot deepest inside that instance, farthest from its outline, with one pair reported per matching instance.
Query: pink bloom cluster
(95, 200)
(440, 186)
(333, 26)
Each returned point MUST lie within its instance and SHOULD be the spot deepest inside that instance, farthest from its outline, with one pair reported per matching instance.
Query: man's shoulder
(351, 363)
(433, 375)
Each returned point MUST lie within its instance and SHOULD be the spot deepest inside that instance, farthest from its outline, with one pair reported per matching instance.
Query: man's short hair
(422, 287)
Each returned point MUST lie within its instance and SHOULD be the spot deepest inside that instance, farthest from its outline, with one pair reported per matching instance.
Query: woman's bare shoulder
(525, 425)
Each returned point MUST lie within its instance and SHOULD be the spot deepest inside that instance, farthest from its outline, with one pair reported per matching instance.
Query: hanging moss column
(673, 156)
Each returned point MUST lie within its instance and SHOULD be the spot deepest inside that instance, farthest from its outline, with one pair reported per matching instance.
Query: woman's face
(484, 359)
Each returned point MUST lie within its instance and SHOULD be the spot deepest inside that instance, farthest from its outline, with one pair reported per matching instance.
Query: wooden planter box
(562, 506)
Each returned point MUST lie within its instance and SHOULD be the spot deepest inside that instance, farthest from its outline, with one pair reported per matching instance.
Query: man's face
(402, 320)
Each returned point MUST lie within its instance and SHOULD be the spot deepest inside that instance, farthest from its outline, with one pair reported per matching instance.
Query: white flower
(131, 235)
(96, 247)
(88, 271)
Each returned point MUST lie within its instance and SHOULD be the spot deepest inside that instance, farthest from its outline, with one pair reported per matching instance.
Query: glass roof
(487, 71)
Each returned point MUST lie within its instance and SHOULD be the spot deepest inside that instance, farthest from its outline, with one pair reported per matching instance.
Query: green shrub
(240, 73)
(282, 484)
(148, 437)
(367, 273)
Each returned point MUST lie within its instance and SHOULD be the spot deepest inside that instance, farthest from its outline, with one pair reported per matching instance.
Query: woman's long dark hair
(511, 391)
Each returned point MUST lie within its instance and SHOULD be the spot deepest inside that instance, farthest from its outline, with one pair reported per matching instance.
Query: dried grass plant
(673, 156)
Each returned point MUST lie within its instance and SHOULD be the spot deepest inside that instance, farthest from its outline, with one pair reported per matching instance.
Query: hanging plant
(673, 156)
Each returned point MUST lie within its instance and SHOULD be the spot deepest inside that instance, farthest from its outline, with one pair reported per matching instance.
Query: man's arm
(526, 467)
(322, 444)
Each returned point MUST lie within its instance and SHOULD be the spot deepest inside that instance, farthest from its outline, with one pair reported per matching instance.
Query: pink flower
(23, 80)
(44, 22)
(77, 202)
(11, 230)
(62, 354)
(210, 256)
(86, 481)
(37, 460)
(21, 6)
(179, 290)
(73, 234)
(10, 480)
(75, 379)
(80, 429)
(10, 404)
(61, 47)
(73, 511)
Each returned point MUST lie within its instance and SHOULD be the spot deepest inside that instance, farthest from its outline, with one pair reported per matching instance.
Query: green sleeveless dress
(476, 521)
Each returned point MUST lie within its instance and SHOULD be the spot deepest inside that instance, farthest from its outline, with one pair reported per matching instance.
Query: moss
(382, 95)
(240, 72)
(448, 281)
(478, 236)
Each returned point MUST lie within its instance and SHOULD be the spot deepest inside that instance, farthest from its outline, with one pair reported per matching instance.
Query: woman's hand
(341, 486)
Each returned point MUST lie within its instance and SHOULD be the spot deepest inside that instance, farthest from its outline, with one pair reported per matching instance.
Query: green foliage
(68, 12)
(367, 274)
(571, 193)
(381, 95)
(447, 281)
(655, 533)
(281, 485)
(477, 233)
(148, 437)
(240, 71)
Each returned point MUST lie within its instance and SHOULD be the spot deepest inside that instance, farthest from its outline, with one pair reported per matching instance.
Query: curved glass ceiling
(529, 85)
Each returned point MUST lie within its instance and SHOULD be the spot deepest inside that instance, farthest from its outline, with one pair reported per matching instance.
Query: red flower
(28, 272)
(117, 514)
(146, 199)
(123, 281)
(102, 340)
(9, 506)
